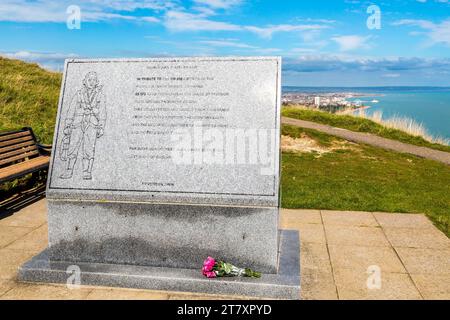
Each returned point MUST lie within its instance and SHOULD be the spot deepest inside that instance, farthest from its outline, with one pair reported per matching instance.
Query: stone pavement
(367, 138)
(337, 250)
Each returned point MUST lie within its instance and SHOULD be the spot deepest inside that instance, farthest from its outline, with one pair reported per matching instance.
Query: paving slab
(12, 257)
(352, 285)
(36, 240)
(8, 272)
(433, 286)
(425, 261)
(32, 216)
(317, 284)
(192, 296)
(312, 233)
(25, 291)
(126, 294)
(10, 234)
(315, 256)
(5, 286)
(299, 216)
(355, 236)
(24, 220)
(349, 218)
(417, 238)
(361, 258)
(399, 220)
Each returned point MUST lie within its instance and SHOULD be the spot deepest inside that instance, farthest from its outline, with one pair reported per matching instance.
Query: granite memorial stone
(159, 163)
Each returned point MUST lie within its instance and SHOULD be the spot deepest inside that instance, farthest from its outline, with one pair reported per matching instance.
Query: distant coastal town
(335, 102)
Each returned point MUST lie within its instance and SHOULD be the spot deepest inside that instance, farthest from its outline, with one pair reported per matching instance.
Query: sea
(429, 106)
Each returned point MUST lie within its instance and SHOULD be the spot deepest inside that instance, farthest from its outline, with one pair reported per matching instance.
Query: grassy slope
(28, 97)
(360, 125)
(365, 179)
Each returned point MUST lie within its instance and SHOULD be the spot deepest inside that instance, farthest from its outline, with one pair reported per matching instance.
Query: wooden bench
(21, 154)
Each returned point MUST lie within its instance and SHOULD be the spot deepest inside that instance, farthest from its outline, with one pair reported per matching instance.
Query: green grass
(360, 125)
(322, 138)
(365, 178)
(28, 98)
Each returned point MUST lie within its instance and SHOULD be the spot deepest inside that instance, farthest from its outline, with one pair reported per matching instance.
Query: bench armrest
(45, 148)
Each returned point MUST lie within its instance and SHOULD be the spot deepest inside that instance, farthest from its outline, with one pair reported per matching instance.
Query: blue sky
(323, 43)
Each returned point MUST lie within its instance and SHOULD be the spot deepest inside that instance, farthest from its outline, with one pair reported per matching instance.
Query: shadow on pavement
(21, 199)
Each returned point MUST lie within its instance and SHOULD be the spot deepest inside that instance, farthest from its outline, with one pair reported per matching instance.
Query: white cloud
(441, 1)
(267, 32)
(172, 14)
(302, 50)
(219, 4)
(150, 19)
(205, 11)
(268, 51)
(28, 55)
(132, 5)
(182, 21)
(391, 75)
(179, 21)
(437, 33)
(309, 20)
(344, 62)
(351, 42)
(441, 33)
(91, 10)
(48, 60)
(424, 24)
(227, 43)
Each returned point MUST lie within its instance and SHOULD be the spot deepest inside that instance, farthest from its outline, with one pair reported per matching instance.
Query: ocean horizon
(429, 106)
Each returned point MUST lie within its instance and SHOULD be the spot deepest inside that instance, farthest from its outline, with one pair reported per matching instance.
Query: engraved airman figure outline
(83, 126)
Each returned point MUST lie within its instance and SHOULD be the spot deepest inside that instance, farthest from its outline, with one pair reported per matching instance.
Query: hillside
(28, 97)
(358, 124)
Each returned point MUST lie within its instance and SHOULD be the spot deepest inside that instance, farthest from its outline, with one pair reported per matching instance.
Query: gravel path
(373, 140)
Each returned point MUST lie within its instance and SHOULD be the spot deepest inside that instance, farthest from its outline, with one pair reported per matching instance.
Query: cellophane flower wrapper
(220, 269)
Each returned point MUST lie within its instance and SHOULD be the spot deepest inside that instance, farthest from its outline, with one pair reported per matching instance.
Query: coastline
(427, 106)
(352, 111)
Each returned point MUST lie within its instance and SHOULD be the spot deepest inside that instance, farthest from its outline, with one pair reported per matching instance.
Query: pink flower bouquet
(218, 269)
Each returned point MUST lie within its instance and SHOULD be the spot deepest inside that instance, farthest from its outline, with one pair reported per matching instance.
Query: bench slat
(19, 157)
(16, 146)
(18, 151)
(14, 141)
(14, 135)
(22, 168)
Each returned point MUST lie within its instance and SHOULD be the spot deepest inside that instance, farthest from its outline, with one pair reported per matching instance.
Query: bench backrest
(17, 146)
